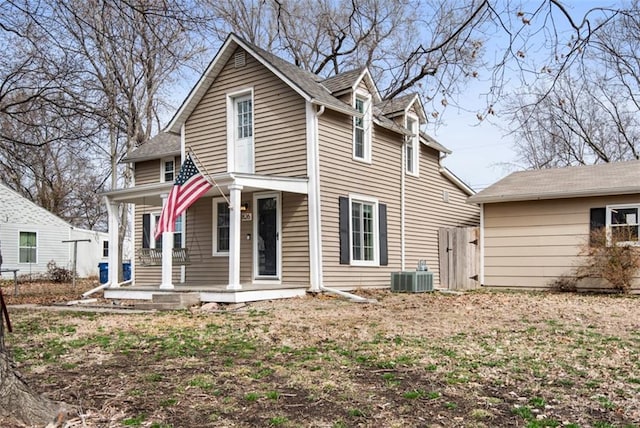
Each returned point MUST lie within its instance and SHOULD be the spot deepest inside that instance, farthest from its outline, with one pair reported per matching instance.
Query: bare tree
(81, 83)
(588, 114)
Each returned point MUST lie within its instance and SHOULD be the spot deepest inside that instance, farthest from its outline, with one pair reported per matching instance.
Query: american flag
(188, 187)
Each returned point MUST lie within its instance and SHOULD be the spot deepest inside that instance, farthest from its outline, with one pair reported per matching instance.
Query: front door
(267, 233)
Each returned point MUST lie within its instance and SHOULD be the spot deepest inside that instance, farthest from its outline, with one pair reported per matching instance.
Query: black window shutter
(382, 221)
(146, 232)
(598, 220)
(344, 230)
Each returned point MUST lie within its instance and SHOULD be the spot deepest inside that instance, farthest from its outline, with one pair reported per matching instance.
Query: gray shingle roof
(580, 181)
(313, 87)
(342, 81)
(431, 142)
(395, 105)
(162, 145)
(308, 82)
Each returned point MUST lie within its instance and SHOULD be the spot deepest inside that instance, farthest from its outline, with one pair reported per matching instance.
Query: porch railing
(153, 256)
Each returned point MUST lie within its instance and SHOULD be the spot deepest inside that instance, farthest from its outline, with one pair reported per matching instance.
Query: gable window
(622, 223)
(28, 247)
(362, 129)
(240, 132)
(167, 174)
(149, 222)
(363, 231)
(220, 227)
(412, 147)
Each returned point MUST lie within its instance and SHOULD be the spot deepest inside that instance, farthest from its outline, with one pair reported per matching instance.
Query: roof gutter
(539, 197)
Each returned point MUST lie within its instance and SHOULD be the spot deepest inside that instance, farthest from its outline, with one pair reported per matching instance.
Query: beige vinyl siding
(205, 268)
(340, 175)
(426, 211)
(530, 244)
(147, 172)
(279, 122)
(295, 239)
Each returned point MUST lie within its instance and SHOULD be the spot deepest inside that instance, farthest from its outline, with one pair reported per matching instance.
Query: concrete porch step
(170, 301)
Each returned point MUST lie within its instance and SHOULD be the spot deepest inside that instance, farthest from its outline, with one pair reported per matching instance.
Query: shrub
(610, 259)
(58, 274)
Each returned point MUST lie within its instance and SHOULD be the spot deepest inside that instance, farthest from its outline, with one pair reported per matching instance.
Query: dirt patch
(432, 360)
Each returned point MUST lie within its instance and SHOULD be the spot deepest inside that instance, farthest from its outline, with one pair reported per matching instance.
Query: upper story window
(28, 247)
(240, 132)
(220, 227)
(412, 146)
(168, 168)
(362, 128)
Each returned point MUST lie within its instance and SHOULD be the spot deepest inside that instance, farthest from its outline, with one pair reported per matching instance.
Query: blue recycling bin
(104, 272)
(126, 271)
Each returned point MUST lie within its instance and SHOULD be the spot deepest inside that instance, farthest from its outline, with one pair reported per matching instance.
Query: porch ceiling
(149, 194)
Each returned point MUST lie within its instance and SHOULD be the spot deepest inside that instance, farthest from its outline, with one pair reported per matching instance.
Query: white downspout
(481, 244)
(402, 202)
(313, 197)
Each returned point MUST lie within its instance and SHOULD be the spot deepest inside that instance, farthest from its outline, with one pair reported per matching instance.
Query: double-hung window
(28, 247)
(220, 227)
(149, 222)
(168, 170)
(362, 128)
(240, 132)
(622, 224)
(412, 147)
(363, 231)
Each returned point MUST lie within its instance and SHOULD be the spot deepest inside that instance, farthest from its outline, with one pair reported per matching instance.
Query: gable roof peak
(305, 83)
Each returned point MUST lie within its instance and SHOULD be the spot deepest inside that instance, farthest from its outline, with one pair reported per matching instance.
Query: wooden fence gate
(459, 255)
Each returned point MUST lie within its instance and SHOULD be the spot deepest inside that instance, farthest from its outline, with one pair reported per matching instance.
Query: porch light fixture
(244, 207)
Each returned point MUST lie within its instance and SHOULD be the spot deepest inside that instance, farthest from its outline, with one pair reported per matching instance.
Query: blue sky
(483, 152)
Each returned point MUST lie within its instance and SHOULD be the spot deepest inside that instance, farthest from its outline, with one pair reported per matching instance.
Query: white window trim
(608, 223)
(231, 122)
(376, 230)
(37, 247)
(162, 168)
(414, 141)
(102, 248)
(152, 229)
(214, 219)
(367, 123)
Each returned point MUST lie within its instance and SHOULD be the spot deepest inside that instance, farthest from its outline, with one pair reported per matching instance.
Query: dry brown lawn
(482, 359)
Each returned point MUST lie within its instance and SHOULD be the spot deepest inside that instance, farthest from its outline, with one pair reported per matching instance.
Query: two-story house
(318, 183)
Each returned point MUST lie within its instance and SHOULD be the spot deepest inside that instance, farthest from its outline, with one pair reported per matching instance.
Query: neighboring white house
(31, 237)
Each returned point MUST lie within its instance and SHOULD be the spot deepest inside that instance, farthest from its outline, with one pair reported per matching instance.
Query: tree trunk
(18, 402)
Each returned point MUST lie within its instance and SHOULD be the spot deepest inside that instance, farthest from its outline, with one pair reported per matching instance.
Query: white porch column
(167, 254)
(235, 194)
(114, 237)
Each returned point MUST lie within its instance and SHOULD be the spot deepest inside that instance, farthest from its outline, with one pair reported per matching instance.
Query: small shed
(534, 223)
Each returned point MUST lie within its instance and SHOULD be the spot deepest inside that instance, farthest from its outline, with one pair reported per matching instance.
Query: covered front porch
(251, 259)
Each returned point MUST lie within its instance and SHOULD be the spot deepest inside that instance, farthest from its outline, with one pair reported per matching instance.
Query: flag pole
(207, 176)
